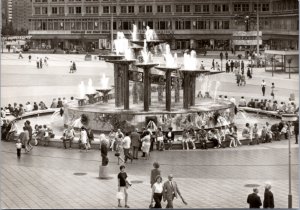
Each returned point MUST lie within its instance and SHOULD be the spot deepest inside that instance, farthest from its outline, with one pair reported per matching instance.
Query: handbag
(120, 195)
(117, 154)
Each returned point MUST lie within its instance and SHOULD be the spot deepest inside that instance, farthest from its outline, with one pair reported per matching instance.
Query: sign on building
(246, 37)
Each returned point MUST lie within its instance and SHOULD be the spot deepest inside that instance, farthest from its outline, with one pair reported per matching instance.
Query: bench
(260, 111)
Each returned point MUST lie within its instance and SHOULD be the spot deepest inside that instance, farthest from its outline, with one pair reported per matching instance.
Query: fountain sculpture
(112, 114)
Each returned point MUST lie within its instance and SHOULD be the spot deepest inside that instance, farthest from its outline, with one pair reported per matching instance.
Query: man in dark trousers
(221, 56)
(254, 199)
(135, 143)
(296, 130)
(226, 55)
(171, 191)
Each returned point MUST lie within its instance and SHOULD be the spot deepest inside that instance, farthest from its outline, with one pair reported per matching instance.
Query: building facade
(21, 12)
(201, 24)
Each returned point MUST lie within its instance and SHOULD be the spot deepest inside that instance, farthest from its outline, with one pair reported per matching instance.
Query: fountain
(82, 91)
(104, 89)
(105, 116)
(90, 92)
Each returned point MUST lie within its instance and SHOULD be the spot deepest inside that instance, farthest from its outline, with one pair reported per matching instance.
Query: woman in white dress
(146, 143)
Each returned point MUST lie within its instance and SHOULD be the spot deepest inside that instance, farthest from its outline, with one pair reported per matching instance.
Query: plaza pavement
(21, 81)
(214, 178)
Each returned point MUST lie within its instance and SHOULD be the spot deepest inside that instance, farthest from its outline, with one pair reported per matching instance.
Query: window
(203, 24)
(130, 9)
(44, 0)
(78, 10)
(186, 8)
(162, 25)
(225, 7)
(37, 1)
(167, 8)
(113, 9)
(178, 8)
(54, 10)
(44, 10)
(61, 10)
(197, 8)
(221, 24)
(217, 8)
(123, 9)
(106, 9)
(237, 7)
(88, 10)
(37, 10)
(255, 7)
(95, 10)
(149, 9)
(205, 8)
(245, 7)
(141, 9)
(54, 0)
(265, 7)
(71, 10)
(160, 8)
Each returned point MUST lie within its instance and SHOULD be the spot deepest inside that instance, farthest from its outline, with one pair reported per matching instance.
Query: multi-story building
(21, 11)
(191, 23)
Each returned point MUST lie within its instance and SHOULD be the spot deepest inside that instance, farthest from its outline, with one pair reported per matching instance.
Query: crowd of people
(18, 110)
(270, 105)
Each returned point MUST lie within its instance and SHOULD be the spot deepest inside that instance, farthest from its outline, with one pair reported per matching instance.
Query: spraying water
(190, 61)
(134, 32)
(121, 43)
(81, 90)
(170, 60)
(90, 88)
(216, 90)
(104, 82)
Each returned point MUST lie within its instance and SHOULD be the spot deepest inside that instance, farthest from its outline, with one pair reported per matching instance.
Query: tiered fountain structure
(120, 113)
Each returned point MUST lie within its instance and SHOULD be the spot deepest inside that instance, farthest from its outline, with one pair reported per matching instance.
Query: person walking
(213, 64)
(227, 67)
(29, 58)
(296, 130)
(146, 143)
(226, 55)
(20, 55)
(249, 75)
(268, 197)
(123, 185)
(126, 147)
(135, 143)
(238, 78)
(171, 191)
(231, 65)
(273, 90)
(41, 63)
(37, 62)
(83, 139)
(254, 199)
(19, 147)
(263, 87)
(221, 56)
(157, 192)
(243, 79)
(154, 173)
(242, 66)
(160, 139)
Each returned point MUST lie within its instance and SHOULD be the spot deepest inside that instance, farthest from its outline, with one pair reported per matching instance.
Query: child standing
(19, 147)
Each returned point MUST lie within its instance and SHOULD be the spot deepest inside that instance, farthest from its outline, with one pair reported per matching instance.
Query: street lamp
(289, 118)
(289, 62)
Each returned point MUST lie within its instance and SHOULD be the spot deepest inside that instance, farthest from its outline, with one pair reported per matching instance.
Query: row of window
(160, 9)
(93, 24)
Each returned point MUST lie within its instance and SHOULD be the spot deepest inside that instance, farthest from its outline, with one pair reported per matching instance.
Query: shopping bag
(120, 195)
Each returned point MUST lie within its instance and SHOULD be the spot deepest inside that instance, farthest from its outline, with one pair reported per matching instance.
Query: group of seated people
(19, 109)
(270, 105)
(42, 135)
(60, 103)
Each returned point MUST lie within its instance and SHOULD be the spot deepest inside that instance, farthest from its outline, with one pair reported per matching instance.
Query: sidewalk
(45, 178)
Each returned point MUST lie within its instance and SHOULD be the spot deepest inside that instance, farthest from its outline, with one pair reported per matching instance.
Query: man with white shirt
(126, 147)
(263, 87)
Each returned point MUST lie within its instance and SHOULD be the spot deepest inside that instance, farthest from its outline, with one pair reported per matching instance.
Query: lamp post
(289, 62)
(289, 118)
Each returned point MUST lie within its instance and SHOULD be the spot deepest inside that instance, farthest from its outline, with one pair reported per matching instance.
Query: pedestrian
(221, 56)
(263, 87)
(41, 63)
(123, 185)
(296, 130)
(71, 68)
(238, 79)
(213, 64)
(272, 90)
(90, 135)
(226, 55)
(19, 147)
(135, 143)
(249, 75)
(104, 142)
(218, 66)
(45, 61)
(268, 197)
(171, 191)
(231, 65)
(126, 147)
(254, 199)
(170, 137)
(160, 139)
(157, 192)
(146, 143)
(20, 55)
(242, 66)
(29, 58)
(227, 67)
(37, 62)
(154, 173)
(255, 139)
(243, 79)
(83, 139)
(74, 67)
